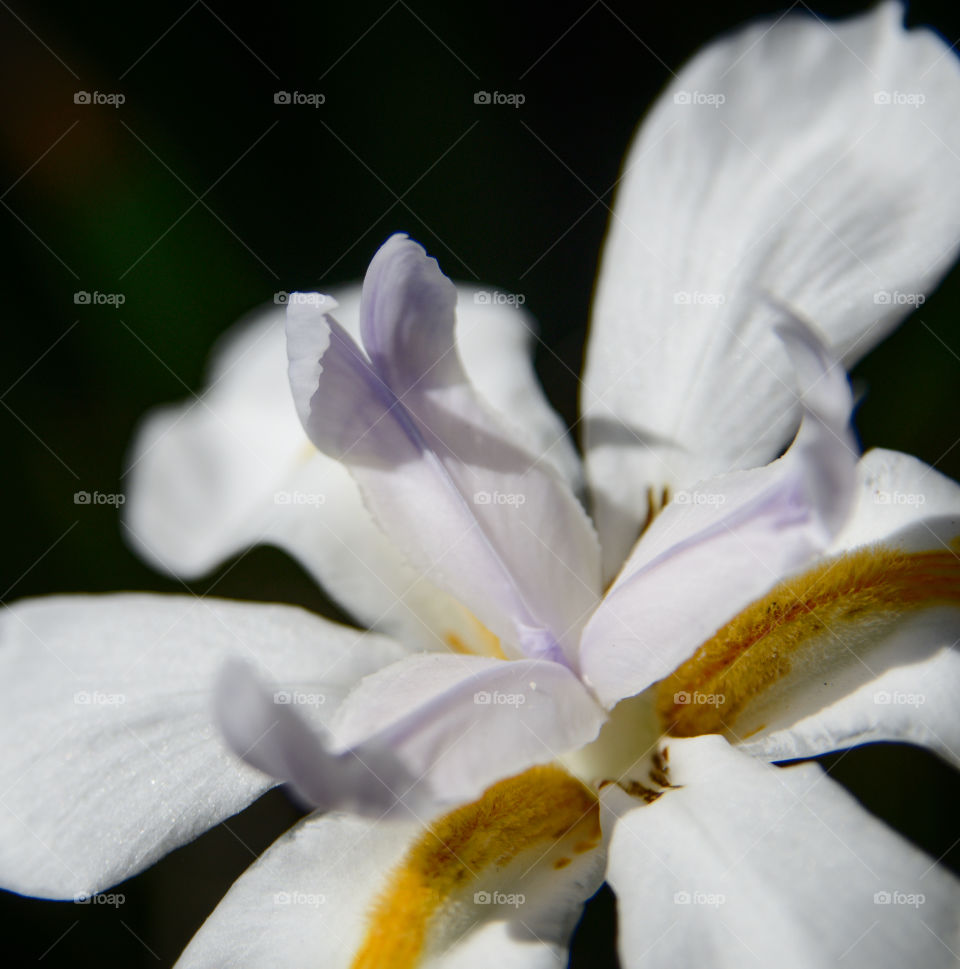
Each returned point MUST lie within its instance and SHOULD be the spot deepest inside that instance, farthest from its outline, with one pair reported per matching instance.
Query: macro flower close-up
(560, 666)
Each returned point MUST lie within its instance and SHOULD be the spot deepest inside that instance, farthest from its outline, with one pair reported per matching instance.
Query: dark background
(199, 198)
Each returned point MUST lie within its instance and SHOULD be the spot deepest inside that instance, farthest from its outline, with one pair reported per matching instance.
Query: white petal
(304, 901)
(308, 901)
(204, 474)
(210, 477)
(897, 680)
(443, 477)
(430, 729)
(111, 757)
(747, 864)
(903, 501)
(495, 343)
(718, 547)
(798, 185)
(913, 681)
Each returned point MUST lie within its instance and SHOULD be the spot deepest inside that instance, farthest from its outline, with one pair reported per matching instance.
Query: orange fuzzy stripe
(755, 649)
(526, 813)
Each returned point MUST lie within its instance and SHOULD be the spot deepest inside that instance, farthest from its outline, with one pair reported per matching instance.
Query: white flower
(548, 732)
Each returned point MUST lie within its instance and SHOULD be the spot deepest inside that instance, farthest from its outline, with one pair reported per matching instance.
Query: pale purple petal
(486, 521)
(407, 318)
(468, 720)
(273, 737)
(433, 729)
(232, 467)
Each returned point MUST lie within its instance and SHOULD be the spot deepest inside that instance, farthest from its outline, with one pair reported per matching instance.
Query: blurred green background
(198, 198)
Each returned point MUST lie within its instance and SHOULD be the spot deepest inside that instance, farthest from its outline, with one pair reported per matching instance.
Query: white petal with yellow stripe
(887, 665)
(860, 646)
(500, 882)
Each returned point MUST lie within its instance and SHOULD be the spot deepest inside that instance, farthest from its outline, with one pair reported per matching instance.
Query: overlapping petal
(814, 163)
(111, 754)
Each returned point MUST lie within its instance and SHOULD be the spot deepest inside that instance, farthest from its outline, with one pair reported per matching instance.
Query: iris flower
(530, 715)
